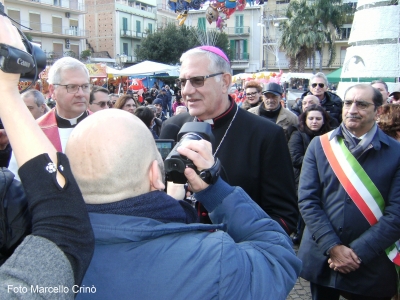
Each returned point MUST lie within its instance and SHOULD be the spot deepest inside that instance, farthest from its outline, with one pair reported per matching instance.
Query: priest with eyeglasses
(69, 86)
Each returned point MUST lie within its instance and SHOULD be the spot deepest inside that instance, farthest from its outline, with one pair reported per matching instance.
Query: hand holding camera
(200, 153)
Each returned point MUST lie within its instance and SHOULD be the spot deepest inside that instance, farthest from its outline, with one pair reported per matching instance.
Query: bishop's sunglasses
(197, 81)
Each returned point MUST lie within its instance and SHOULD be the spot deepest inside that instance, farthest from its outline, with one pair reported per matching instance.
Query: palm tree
(309, 25)
(331, 15)
(300, 34)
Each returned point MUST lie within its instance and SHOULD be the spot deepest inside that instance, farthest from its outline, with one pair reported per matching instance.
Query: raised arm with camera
(61, 244)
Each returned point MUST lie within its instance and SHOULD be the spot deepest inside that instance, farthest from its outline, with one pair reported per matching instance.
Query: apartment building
(274, 59)
(58, 26)
(244, 33)
(117, 27)
(164, 14)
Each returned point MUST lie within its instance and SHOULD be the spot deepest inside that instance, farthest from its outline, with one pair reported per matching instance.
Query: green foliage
(309, 26)
(86, 53)
(28, 36)
(167, 45)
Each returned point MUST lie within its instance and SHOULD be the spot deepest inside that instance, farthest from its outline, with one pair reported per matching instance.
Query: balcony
(60, 5)
(284, 64)
(237, 31)
(133, 34)
(240, 57)
(49, 30)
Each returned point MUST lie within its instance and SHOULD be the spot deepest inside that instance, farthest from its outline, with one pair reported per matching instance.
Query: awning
(334, 77)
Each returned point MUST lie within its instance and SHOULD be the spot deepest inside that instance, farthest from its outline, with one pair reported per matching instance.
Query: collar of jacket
(380, 137)
(269, 113)
(225, 117)
(155, 205)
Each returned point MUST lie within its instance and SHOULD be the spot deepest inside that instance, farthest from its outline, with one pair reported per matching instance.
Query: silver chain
(226, 132)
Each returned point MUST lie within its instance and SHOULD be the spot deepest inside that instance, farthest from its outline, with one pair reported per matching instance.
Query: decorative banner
(44, 74)
(97, 70)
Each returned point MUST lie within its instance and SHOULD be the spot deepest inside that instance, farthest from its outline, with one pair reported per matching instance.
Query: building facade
(274, 59)
(58, 26)
(118, 27)
(244, 33)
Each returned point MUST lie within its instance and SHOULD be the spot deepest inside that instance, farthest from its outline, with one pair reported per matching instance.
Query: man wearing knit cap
(271, 108)
(158, 104)
(252, 150)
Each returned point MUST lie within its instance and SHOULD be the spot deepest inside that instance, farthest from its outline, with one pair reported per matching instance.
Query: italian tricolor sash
(357, 185)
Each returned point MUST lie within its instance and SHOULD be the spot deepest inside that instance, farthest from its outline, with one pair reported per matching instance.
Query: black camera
(29, 64)
(175, 163)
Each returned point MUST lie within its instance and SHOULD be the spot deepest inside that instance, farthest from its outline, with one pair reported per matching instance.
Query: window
(201, 24)
(34, 21)
(14, 14)
(239, 49)
(138, 30)
(73, 27)
(125, 48)
(150, 28)
(239, 24)
(344, 33)
(125, 24)
(57, 25)
(342, 54)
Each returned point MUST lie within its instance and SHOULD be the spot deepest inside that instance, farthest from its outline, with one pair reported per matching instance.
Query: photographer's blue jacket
(245, 255)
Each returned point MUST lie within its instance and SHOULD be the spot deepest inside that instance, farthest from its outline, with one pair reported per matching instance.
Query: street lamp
(120, 60)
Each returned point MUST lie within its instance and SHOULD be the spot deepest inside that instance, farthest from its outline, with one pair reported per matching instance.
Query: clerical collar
(70, 123)
(222, 118)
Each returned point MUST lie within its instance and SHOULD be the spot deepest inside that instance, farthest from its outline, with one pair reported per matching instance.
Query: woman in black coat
(313, 122)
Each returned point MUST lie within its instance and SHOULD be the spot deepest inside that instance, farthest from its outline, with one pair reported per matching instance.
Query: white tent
(112, 71)
(287, 76)
(149, 68)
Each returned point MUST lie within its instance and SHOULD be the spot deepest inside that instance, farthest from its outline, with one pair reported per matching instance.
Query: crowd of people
(99, 223)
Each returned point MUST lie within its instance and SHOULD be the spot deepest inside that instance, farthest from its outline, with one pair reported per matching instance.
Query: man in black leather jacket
(330, 101)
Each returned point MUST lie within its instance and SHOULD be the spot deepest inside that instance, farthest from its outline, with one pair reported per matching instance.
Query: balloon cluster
(183, 6)
(218, 11)
(261, 77)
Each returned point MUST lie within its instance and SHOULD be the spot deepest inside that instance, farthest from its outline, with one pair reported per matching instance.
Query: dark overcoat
(332, 218)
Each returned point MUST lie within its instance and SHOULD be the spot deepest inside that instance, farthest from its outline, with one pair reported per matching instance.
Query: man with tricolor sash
(349, 198)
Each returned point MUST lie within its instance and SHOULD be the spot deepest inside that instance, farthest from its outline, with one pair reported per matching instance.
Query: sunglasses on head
(396, 97)
(321, 85)
(197, 81)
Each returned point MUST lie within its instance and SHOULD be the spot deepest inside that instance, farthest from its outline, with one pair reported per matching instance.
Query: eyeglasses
(102, 104)
(74, 88)
(251, 94)
(314, 85)
(197, 81)
(360, 105)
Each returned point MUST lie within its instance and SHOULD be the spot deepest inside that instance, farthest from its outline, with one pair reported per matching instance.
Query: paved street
(301, 290)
